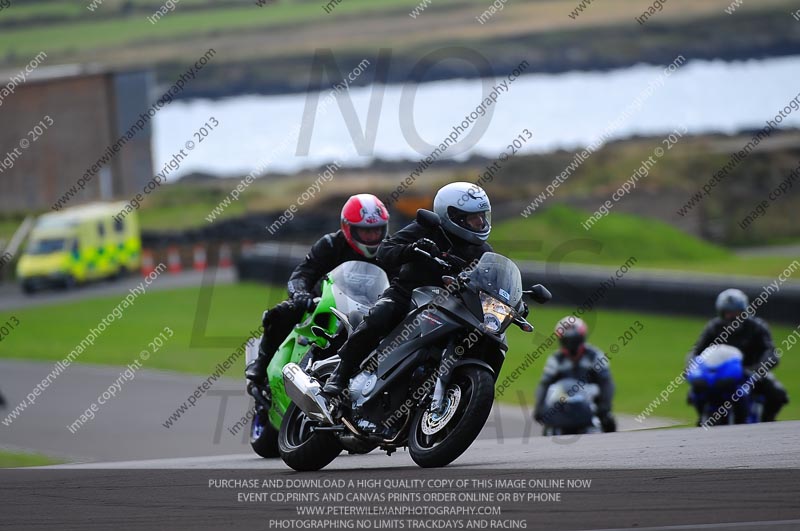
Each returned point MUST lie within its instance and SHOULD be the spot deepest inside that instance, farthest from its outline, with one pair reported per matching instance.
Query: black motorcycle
(428, 386)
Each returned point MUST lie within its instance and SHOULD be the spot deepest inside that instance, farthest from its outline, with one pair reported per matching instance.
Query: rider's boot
(257, 382)
(256, 370)
(339, 378)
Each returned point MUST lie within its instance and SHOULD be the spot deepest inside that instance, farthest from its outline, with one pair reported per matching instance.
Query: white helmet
(458, 204)
(731, 303)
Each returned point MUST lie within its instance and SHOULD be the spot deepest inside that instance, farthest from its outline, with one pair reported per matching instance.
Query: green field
(617, 237)
(641, 369)
(264, 49)
(20, 459)
(73, 28)
(234, 311)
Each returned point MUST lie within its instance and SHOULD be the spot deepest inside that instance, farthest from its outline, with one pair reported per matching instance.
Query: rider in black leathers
(581, 361)
(754, 339)
(365, 222)
(466, 217)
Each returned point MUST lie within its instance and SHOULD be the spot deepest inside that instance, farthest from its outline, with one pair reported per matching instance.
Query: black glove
(429, 246)
(523, 309)
(302, 299)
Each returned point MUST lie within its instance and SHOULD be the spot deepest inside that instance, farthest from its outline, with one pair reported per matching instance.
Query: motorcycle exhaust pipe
(306, 392)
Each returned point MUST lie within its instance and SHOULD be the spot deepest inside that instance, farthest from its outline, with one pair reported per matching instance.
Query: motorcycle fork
(449, 358)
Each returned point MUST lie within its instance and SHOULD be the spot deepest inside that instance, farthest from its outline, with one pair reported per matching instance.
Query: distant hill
(271, 49)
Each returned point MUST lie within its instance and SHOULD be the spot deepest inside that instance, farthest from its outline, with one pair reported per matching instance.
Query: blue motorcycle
(721, 388)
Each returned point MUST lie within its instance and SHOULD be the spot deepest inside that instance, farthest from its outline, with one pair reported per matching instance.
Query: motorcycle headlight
(495, 313)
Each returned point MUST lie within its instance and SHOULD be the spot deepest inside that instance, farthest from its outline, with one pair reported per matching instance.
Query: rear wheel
(302, 448)
(263, 436)
(438, 439)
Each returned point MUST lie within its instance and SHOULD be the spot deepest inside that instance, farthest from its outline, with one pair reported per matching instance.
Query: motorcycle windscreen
(499, 277)
(717, 365)
(569, 404)
(357, 286)
(717, 355)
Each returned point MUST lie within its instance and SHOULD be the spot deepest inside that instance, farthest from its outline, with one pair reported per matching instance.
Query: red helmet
(361, 215)
(571, 332)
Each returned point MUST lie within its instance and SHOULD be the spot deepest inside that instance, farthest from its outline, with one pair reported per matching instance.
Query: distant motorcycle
(430, 383)
(570, 408)
(717, 379)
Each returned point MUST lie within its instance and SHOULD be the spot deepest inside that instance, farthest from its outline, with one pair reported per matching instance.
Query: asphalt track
(772, 446)
(642, 499)
(729, 478)
(739, 477)
(131, 425)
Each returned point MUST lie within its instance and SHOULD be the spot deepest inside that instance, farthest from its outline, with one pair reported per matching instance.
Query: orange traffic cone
(173, 260)
(199, 257)
(225, 259)
(148, 262)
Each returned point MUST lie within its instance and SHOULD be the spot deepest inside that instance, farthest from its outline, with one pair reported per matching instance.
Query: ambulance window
(101, 229)
(47, 246)
(119, 226)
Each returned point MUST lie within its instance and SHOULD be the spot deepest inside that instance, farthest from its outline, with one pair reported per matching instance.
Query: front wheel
(302, 448)
(438, 439)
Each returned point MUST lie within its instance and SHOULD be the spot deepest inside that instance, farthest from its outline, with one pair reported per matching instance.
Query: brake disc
(434, 422)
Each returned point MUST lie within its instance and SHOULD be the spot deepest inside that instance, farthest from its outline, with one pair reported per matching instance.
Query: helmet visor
(371, 236)
(572, 344)
(478, 222)
(730, 315)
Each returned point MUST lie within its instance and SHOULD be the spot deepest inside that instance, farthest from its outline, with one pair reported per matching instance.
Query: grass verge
(642, 366)
(10, 459)
(618, 236)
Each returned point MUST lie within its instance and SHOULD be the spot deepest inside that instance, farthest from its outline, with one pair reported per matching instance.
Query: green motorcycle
(349, 290)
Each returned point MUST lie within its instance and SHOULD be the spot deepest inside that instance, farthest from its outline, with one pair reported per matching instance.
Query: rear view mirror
(539, 294)
(428, 219)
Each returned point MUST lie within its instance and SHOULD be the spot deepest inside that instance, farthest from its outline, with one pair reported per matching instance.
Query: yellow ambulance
(80, 244)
